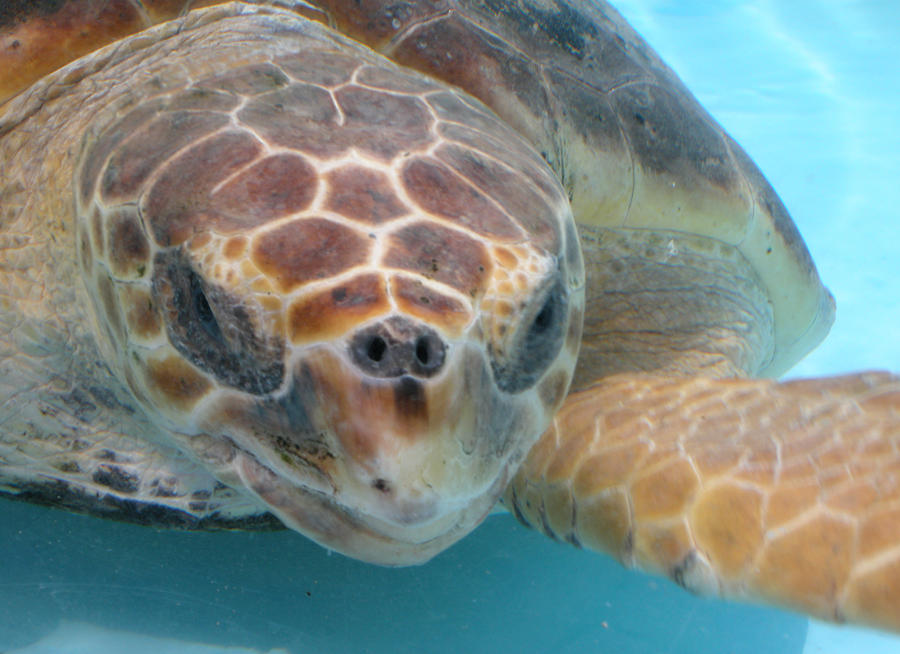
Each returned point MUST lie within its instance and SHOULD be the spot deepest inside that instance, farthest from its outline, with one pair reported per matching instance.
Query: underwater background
(811, 89)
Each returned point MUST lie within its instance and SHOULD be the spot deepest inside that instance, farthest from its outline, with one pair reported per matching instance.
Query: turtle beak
(334, 525)
(387, 446)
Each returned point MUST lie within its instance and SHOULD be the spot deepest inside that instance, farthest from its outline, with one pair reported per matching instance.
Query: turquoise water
(811, 91)
(811, 88)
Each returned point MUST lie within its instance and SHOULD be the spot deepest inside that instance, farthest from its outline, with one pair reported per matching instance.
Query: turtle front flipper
(786, 493)
(99, 470)
(77, 440)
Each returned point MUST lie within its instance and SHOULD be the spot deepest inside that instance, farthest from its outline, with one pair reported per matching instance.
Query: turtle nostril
(376, 349)
(429, 353)
(397, 347)
(423, 351)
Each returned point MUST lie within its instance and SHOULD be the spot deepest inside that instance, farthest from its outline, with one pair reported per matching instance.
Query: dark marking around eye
(538, 344)
(204, 313)
(544, 320)
(213, 329)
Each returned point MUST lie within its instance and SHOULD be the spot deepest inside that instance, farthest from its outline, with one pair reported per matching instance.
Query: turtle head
(366, 330)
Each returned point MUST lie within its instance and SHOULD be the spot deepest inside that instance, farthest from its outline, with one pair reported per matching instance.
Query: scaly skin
(361, 285)
(786, 493)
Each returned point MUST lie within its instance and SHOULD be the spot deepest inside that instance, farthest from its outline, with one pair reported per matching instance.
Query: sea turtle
(316, 266)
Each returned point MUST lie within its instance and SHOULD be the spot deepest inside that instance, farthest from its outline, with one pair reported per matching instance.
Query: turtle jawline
(331, 525)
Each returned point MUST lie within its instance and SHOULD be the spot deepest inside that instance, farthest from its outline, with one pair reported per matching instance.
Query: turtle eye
(213, 328)
(537, 345)
(545, 318)
(204, 312)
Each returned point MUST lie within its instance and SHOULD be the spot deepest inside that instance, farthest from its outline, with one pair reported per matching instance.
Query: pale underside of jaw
(364, 537)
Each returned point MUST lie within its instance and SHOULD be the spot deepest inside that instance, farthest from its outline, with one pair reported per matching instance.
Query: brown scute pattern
(376, 22)
(97, 154)
(176, 382)
(431, 307)
(662, 131)
(177, 204)
(383, 123)
(782, 492)
(589, 112)
(561, 26)
(235, 247)
(308, 249)
(582, 60)
(362, 194)
(728, 521)
(492, 69)
(592, 66)
(505, 186)
(198, 99)
(141, 316)
(248, 80)
(647, 499)
(222, 193)
(567, 28)
(324, 68)
(129, 249)
(476, 141)
(300, 117)
(452, 108)
(442, 254)
(453, 50)
(304, 117)
(142, 153)
(199, 241)
(169, 155)
(337, 310)
(277, 186)
(390, 79)
(439, 190)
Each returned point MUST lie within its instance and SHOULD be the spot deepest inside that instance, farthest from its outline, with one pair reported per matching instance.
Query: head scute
(329, 237)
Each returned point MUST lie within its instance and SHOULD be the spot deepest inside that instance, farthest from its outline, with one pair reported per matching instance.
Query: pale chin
(363, 537)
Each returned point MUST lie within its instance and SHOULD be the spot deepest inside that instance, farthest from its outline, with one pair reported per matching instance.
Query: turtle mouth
(322, 518)
(386, 469)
